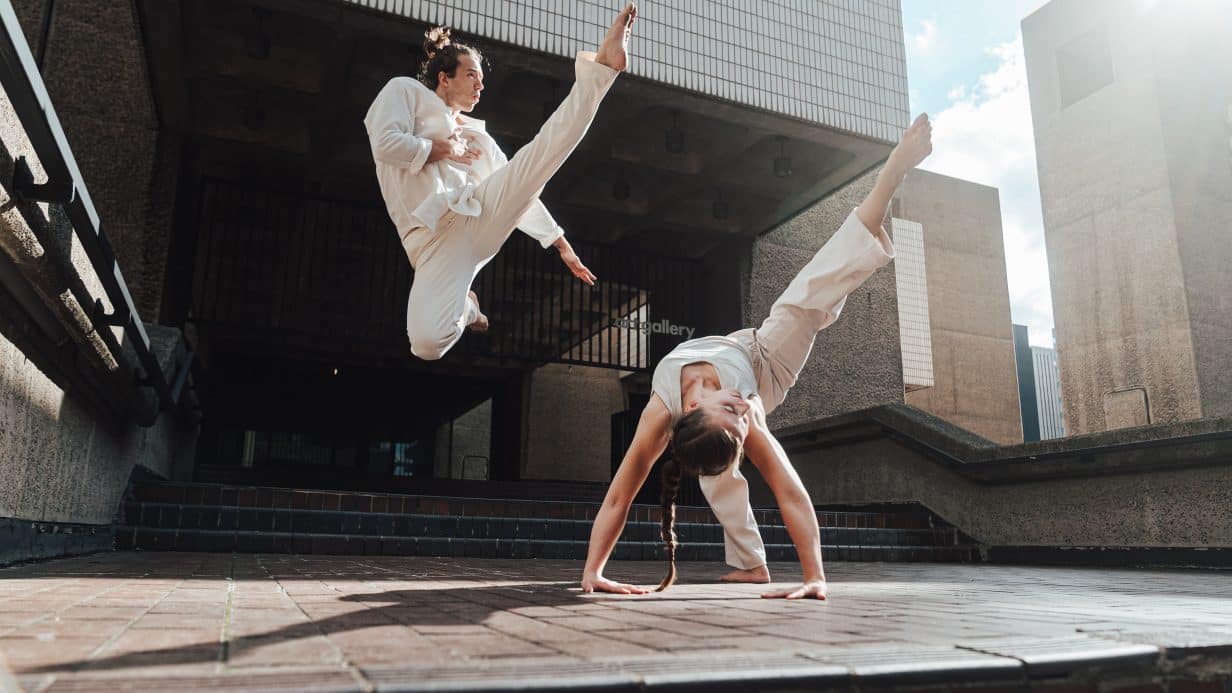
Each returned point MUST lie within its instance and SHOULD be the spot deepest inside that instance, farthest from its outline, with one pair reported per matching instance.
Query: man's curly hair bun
(442, 55)
(435, 39)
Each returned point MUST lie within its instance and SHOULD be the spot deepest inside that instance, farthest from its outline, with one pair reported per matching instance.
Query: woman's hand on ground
(813, 589)
(598, 583)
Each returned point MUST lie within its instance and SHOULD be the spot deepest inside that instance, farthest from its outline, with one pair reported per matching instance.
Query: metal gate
(304, 271)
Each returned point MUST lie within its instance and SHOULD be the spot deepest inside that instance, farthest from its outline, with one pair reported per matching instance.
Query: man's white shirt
(402, 123)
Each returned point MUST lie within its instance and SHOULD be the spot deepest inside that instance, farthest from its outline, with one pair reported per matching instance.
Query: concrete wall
(1193, 81)
(856, 362)
(59, 462)
(1165, 509)
(464, 446)
(1121, 258)
(1155, 486)
(974, 377)
(568, 423)
(95, 70)
(66, 451)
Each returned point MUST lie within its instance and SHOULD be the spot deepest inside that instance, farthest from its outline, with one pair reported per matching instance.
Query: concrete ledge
(1112, 556)
(24, 540)
(1163, 487)
(1200, 442)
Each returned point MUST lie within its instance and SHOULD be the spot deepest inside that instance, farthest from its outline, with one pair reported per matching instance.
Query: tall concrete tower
(1131, 108)
(958, 348)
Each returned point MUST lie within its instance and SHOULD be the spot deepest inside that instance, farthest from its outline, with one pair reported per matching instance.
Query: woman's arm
(765, 452)
(650, 440)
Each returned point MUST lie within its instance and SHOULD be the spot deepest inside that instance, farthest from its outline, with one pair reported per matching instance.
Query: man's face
(461, 91)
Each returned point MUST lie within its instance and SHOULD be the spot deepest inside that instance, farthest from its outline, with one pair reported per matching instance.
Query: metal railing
(22, 82)
(301, 271)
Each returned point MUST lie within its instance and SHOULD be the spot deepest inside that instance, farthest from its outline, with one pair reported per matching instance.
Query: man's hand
(813, 589)
(573, 262)
(452, 149)
(598, 583)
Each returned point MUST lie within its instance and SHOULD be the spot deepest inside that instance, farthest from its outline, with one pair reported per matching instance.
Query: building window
(913, 326)
(1084, 66)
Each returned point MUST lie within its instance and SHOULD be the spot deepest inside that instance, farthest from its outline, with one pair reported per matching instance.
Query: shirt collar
(473, 123)
(463, 119)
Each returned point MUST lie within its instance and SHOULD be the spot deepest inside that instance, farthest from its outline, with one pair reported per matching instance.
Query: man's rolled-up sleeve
(539, 225)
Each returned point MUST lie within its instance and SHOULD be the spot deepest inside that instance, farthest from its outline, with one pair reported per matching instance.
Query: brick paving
(285, 622)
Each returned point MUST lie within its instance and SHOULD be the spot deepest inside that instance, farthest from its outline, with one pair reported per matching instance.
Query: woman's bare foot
(480, 323)
(915, 146)
(614, 51)
(759, 575)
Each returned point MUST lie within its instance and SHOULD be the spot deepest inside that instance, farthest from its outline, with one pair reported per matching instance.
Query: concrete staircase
(168, 516)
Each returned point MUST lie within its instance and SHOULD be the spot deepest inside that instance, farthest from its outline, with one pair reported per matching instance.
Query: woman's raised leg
(814, 299)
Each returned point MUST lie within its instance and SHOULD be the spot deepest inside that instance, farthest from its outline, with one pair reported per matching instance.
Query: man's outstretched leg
(510, 191)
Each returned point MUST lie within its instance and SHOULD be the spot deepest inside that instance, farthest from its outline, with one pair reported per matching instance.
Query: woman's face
(726, 409)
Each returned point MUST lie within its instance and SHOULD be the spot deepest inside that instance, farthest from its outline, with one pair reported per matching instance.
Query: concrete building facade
(968, 305)
(848, 69)
(1130, 111)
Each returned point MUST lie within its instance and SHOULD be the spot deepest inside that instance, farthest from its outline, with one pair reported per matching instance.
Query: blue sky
(964, 67)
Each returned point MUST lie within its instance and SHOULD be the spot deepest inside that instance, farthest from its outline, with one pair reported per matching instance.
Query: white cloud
(984, 135)
(926, 39)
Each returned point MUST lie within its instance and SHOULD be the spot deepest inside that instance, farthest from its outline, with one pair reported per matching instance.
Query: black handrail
(23, 83)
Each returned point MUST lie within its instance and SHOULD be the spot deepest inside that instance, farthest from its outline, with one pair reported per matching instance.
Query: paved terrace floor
(277, 622)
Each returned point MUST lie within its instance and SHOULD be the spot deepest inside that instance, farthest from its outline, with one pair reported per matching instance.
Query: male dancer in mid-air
(451, 192)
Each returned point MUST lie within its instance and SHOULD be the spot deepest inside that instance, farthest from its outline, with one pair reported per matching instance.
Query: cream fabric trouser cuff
(728, 496)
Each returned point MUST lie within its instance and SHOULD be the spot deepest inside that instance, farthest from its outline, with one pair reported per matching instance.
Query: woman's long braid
(696, 449)
(669, 477)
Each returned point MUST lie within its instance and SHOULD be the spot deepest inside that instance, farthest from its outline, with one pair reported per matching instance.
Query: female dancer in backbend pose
(711, 397)
(450, 191)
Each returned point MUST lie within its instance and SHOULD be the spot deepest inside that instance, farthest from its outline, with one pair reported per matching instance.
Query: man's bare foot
(480, 323)
(614, 51)
(915, 146)
(759, 575)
